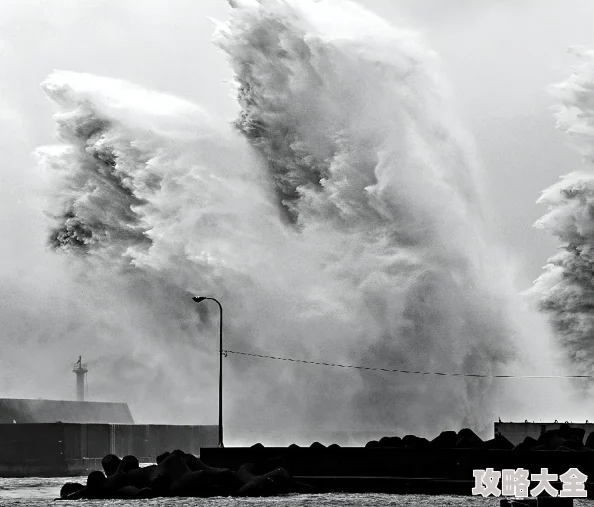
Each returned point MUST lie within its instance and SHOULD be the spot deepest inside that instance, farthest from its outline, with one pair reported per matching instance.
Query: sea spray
(566, 288)
(338, 220)
(350, 119)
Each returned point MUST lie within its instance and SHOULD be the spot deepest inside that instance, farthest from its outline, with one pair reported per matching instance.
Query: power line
(410, 372)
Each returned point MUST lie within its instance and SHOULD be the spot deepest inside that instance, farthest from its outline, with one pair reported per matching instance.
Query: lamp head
(199, 299)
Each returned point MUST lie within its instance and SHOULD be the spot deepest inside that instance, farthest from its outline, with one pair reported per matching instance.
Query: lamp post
(199, 300)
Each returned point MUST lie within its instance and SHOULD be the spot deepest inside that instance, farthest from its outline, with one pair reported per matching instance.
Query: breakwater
(411, 464)
(181, 474)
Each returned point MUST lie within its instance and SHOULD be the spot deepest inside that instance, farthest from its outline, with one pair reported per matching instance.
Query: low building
(55, 438)
(19, 411)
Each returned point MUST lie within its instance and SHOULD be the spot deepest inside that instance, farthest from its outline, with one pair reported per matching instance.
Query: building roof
(51, 411)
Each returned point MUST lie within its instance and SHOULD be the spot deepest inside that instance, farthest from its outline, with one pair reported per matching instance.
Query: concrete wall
(26, 453)
(455, 464)
(516, 432)
(54, 450)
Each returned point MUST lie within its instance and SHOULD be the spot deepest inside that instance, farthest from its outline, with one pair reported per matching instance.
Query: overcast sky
(498, 56)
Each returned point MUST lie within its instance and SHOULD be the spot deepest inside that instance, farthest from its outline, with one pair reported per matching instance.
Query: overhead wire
(410, 372)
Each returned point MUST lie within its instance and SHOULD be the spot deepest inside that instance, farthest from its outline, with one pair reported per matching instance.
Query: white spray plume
(338, 220)
(566, 288)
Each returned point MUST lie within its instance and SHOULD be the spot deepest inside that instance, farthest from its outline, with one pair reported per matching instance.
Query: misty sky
(498, 56)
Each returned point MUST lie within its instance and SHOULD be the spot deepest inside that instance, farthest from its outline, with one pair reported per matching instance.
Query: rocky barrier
(391, 464)
(564, 438)
(181, 474)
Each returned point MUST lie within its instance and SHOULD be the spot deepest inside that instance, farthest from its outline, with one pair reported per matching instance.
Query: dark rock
(414, 442)
(126, 493)
(527, 444)
(277, 482)
(251, 468)
(96, 485)
(578, 435)
(133, 493)
(575, 445)
(181, 474)
(257, 447)
(590, 440)
(194, 463)
(198, 484)
(317, 446)
(568, 433)
(521, 448)
(174, 467)
(294, 446)
(207, 483)
(157, 478)
(145, 493)
(228, 481)
(76, 495)
(550, 439)
(246, 472)
(499, 442)
(110, 464)
(333, 447)
(396, 442)
(303, 489)
(468, 439)
(69, 488)
(153, 477)
(267, 465)
(129, 463)
(391, 442)
(140, 477)
(445, 440)
(119, 479)
(115, 482)
(372, 443)
(161, 457)
(565, 431)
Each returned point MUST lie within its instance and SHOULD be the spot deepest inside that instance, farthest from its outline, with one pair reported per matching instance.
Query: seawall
(60, 450)
(399, 470)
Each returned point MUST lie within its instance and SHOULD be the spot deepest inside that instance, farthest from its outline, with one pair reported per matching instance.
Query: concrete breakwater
(414, 464)
(391, 465)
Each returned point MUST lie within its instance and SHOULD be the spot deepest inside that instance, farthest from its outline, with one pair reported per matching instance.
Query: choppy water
(40, 492)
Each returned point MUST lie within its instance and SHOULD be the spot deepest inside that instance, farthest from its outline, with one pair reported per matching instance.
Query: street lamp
(199, 300)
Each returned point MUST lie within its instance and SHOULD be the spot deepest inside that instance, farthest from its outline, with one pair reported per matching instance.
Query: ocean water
(42, 491)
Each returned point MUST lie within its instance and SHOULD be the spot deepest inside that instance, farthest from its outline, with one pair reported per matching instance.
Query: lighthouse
(81, 370)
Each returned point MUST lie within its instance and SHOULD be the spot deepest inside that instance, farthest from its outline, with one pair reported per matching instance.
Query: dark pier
(400, 470)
